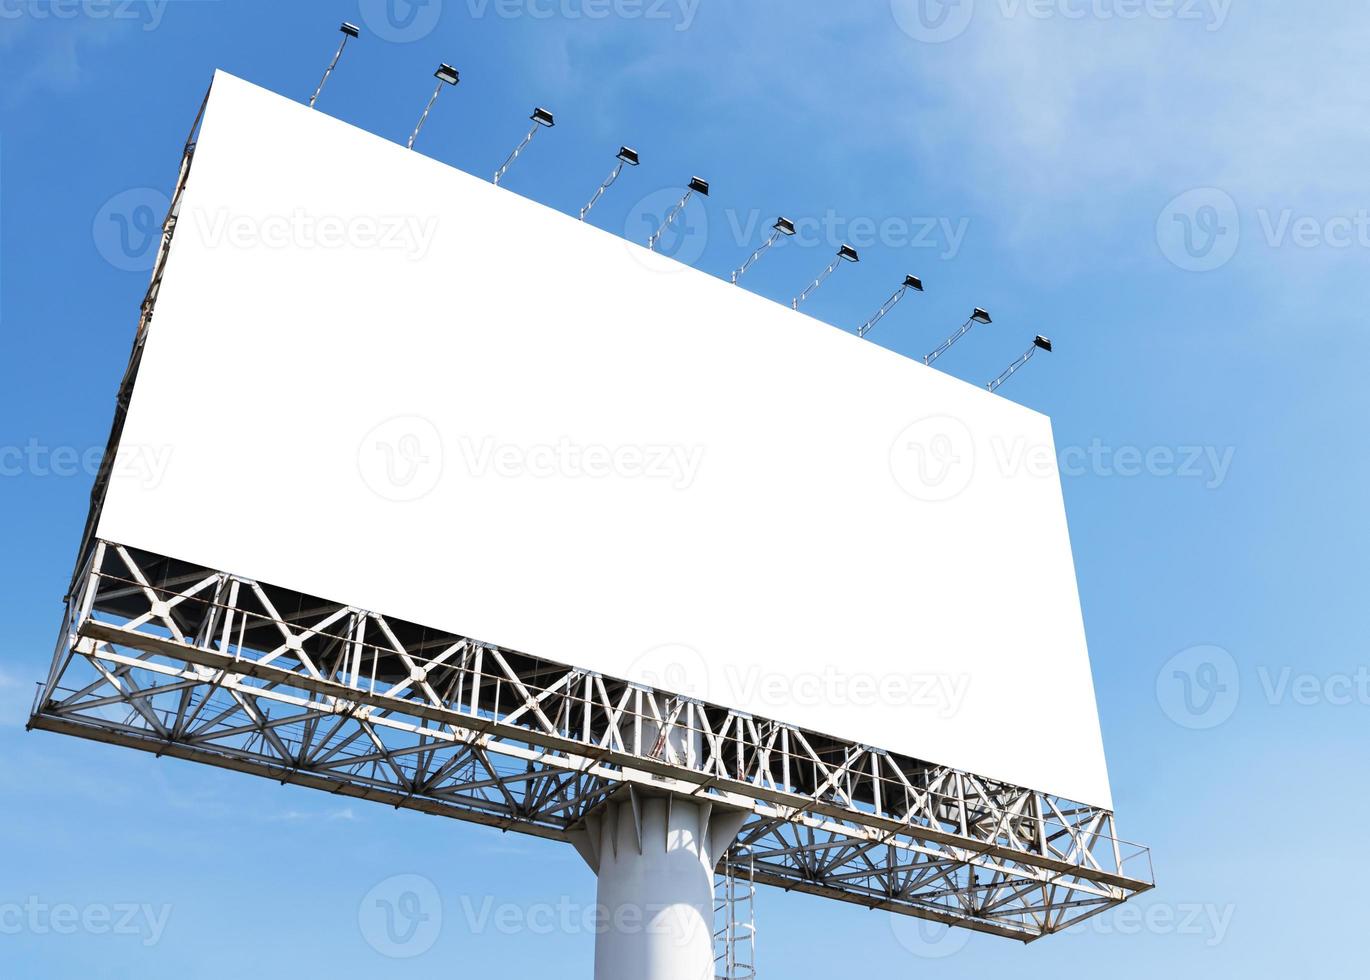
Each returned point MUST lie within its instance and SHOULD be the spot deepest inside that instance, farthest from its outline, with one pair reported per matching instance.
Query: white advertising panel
(382, 381)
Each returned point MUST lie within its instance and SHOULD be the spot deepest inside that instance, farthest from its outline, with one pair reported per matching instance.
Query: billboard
(377, 379)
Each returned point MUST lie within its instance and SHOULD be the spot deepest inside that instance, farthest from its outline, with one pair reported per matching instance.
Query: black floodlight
(348, 30)
(782, 226)
(626, 156)
(446, 75)
(1038, 343)
(541, 119)
(697, 185)
(910, 282)
(977, 316)
(844, 254)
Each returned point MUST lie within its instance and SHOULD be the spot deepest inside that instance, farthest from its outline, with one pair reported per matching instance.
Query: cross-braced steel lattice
(173, 658)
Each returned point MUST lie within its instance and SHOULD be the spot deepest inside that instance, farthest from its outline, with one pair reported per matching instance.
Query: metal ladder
(735, 917)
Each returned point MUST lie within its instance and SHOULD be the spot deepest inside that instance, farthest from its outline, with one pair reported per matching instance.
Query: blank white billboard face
(380, 380)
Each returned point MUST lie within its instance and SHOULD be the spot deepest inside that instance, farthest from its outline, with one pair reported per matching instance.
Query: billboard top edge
(873, 351)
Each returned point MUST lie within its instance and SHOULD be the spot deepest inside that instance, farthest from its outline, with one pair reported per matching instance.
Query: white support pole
(654, 856)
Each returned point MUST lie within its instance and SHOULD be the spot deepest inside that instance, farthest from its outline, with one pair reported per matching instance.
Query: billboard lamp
(910, 282)
(627, 156)
(541, 118)
(844, 254)
(446, 75)
(1038, 343)
(977, 316)
(696, 186)
(348, 30)
(782, 226)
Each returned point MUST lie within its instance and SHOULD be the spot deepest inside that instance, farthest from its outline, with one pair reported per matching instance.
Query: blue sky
(1174, 192)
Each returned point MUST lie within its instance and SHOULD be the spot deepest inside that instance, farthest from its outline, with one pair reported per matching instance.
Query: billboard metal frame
(200, 664)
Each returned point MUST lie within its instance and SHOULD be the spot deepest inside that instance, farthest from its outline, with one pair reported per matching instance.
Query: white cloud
(1060, 111)
(1068, 132)
(43, 54)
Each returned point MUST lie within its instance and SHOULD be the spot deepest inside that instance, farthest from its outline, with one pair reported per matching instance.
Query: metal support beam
(198, 664)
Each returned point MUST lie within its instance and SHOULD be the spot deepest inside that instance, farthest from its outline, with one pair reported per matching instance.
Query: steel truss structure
(176, 659)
